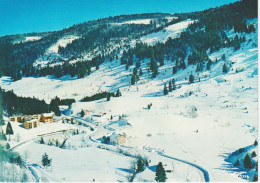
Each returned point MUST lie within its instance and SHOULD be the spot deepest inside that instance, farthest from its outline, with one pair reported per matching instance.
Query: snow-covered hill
(201, 122)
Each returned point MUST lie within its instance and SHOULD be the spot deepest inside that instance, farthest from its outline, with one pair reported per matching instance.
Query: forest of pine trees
(17, 59)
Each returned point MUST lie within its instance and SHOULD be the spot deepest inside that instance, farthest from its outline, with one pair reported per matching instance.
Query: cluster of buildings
(33, 121)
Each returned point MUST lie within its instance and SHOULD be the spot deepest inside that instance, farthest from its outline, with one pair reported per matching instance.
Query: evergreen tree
(191, 79)
(223, 57)
(133, 80)
(140, 72)
(173, 82)
(174, 69)
(255, 143)
(46, 162)
(108, 97)
(153, 67)
(208, 65)
(140, 166)
(165, 91)
(160, 175)
(82, 114)
(42, 141)
(247, 162)
(170, 86)
(253, 154)
(9, 130)
(237, 163)
(224, 69)
(7, 146)
(118, 93)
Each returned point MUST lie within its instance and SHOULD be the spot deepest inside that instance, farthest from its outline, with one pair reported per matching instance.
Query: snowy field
(61, 42)
(172, 31)
(225, 118)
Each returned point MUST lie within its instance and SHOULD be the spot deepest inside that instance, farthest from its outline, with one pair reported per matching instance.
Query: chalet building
(19, 119)
(47, 117)
(36, 116)
(87, 112)
(117, 139)
(33, 123)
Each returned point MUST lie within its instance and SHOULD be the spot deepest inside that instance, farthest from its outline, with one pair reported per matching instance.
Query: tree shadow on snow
(126, 170)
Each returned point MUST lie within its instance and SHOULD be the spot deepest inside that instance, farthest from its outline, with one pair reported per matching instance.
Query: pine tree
(82, 114)
(237, 163)
(223, 57)
(165, 91)
(132, 80)
(9, 130)
(224, 68)
(140, 72)
(160, 175)
(140, 166)
(208, 65)
(46, 162)
(247, 162)
(170, 86)
(7, 146)
(118, 93)
(108, 97)
(154, 67)
(253, 154)
(191, 79)
(255, 143)
(173, 82)
(42, 141)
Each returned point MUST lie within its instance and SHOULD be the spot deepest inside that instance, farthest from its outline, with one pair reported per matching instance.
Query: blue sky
(22, 16)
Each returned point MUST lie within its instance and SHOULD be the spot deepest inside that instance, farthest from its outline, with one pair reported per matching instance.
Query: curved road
(204, 171)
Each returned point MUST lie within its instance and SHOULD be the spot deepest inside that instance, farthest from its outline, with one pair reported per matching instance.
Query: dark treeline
(15, 105)
(81, 69)
(101, 95)
(98, 96)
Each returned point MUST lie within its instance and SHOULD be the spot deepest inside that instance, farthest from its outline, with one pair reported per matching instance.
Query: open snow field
(61, 42)
(172, 31)
(225, 118)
